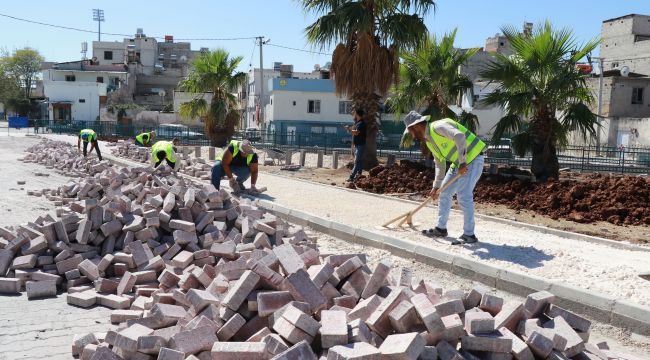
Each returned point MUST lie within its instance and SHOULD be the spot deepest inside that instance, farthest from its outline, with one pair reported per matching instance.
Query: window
(108, 55)
(345, 107)
(637, 96)
(330, 130)
(614, 64)
(476, 98)
(82, 100)
(313, 107)
(316, 130)
(70, 78)
(100, 79)
(294, 103)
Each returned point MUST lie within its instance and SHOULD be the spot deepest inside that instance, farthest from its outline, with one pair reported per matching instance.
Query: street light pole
(600, 103)
(98, 15)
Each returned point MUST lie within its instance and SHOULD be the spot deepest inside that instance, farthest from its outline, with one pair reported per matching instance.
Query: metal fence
(633, 160)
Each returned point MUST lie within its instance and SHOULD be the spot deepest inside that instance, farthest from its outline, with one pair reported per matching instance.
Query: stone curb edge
(602, 308)
(539, 228)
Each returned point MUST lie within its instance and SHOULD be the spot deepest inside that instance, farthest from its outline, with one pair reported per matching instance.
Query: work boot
(438, 232)
(468, 239)
(241, 186)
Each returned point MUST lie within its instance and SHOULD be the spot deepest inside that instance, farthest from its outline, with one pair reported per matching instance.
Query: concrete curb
(602, 308)
(539, 228)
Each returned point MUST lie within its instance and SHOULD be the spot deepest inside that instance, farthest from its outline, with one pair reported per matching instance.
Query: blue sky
(283, 21)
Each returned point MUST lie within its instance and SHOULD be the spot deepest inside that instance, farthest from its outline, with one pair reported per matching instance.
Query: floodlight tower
(98, 15)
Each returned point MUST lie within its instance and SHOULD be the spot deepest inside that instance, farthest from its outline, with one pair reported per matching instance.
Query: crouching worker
(144, 139)
(451, 142)
(164, 150)
(89, 136)
(240, 159)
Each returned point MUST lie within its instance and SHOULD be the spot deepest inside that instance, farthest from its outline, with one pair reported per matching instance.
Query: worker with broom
(164, 150)
(449, 141)
(89, 136)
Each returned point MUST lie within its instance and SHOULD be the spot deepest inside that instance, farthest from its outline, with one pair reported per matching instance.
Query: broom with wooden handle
(408, 217)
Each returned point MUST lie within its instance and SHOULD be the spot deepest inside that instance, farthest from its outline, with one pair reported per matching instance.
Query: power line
(296, 49)
(117, 34)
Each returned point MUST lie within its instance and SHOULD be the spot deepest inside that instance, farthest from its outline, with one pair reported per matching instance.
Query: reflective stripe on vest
(87, 135)
(235, 146)
(165, 146)
(445, 149)
(142, 137)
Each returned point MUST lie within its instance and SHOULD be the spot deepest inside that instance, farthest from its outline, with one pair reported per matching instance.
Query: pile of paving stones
(64, 159)
(194, 273)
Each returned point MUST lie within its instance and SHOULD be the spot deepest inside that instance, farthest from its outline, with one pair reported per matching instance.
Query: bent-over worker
(450, 141)
(145, 138)
(89, 136)
(164, 150)
(240, 159)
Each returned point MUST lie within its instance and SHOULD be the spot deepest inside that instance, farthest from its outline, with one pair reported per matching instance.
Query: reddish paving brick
(334, 329)
(377, 279)
(238, 351)
(303, 289)
(402, 347)
(354, 351)
(193, 341)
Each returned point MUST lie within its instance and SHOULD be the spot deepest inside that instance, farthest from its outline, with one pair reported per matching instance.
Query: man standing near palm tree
(358, 131)
(450, 141)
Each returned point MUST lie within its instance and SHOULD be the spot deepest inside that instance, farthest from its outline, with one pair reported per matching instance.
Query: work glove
(234, 185)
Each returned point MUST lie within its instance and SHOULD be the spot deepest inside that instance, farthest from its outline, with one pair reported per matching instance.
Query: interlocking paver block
(407, 346)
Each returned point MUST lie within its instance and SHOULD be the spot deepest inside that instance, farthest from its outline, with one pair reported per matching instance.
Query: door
(291, 135)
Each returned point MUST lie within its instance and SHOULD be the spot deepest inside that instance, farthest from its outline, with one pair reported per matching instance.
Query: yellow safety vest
(87, 135)
(165, 146)
(445, 149)
(235, 145)
(142, 138)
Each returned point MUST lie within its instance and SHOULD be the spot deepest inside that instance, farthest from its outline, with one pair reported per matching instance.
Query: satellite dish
(161, 93)
(183, 59)
(625, 71)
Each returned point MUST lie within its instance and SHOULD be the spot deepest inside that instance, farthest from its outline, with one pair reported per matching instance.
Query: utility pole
(600, 103)
(98, 15)
(261, 101)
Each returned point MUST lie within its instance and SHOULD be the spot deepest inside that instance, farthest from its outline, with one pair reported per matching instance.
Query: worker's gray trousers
(464, 188)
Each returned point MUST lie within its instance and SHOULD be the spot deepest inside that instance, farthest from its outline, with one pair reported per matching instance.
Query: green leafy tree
(11, 94)
(214, 72)
(25, 64)
(545, 96)
(368, 34)
(430, 81)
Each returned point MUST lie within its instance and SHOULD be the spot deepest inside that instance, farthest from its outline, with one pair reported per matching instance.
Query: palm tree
(369, 35)
(545, 96)
(430, 81)
(214, 72)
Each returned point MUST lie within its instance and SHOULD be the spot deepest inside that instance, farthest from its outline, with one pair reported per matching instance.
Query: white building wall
(283, 107)
(84, 98)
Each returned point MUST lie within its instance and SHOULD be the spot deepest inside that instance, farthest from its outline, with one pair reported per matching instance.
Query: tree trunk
(369, 102)
(219, 139)
(545, 164)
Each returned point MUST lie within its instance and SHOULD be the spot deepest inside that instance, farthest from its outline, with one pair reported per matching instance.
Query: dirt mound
(618, 200)
(407, 177)
(596, 197)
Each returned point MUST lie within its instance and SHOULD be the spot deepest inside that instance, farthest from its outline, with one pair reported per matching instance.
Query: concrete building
(251, 97)
(625, 49)
(308, 107)
(626, 42)
(77, 90)
(157, 67)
